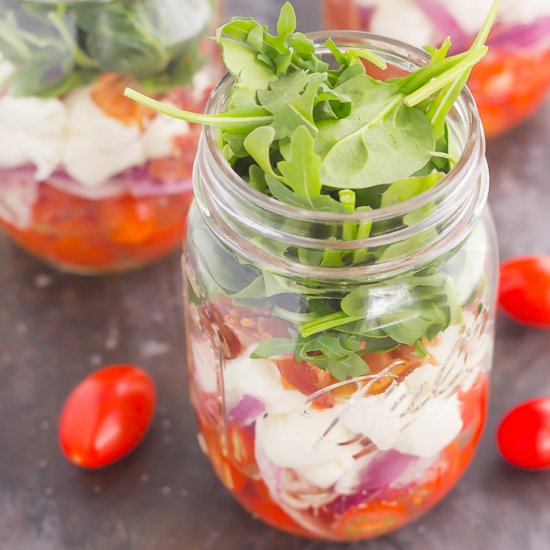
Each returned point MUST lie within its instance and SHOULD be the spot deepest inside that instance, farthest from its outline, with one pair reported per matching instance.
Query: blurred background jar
(90, 181)
(509, 85)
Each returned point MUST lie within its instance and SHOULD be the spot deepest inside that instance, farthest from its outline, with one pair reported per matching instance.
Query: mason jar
(89, 181)
(514, 78)
(339, 397)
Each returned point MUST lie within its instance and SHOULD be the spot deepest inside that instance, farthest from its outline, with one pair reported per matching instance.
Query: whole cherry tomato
(524, 435)
(524, 291)
(106, 415)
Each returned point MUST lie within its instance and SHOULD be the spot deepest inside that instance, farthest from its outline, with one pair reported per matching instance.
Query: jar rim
(416, 57)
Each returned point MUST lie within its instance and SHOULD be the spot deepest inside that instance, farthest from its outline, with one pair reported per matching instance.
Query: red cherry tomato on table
(524, 291)
(106, 415)
(524, 435)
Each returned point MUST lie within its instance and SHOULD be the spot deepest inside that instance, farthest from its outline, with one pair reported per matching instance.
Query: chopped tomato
(77, 251)
(509, 86)
(370, 520)
(108, 95)
(127, 220)
(241, 448)
(178, 166)
(220, 332)
(307, 379)
(474, 405)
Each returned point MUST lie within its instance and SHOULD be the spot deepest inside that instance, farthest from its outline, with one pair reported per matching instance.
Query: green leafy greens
(58, 46)
(330, 137)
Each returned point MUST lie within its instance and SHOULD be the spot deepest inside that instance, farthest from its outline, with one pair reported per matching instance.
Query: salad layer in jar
(340, 277)
(90, 181)
(514, 78)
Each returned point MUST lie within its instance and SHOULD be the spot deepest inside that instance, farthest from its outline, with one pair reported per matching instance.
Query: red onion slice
(376, 476)
(524, 36)
(246, 411)
(443, 20)
(135, 181)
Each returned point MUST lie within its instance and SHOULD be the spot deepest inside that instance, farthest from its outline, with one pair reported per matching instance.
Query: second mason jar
(341, 400)
(90, 182)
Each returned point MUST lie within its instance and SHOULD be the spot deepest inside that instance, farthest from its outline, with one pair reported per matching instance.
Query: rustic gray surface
(54, 329)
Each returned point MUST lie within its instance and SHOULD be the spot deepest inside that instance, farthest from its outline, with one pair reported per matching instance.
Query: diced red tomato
(241, 448)
(307, 378)
(370, 520)
(509, 86)
(108, 94)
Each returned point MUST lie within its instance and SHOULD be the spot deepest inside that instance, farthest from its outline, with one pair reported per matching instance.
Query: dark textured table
(54, 329)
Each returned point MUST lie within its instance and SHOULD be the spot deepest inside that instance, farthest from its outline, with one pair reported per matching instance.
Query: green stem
(483, 34)
(347, 198)
(440, 107)
(221, 120)
(309, 328)
(437, 84)
(363, 232)
(426, 74)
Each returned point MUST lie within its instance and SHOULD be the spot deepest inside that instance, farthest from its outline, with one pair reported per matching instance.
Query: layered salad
(515, 76)
(334, 406)
(90, 181)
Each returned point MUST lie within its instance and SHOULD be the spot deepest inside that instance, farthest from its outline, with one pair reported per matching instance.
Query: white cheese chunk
(297, 440)
(32, 132)
(259, 378)
(181, 21)
(432, 430)
(523, 11)
(402, 20)
(98, 146)
(160, 133)
(389, 419)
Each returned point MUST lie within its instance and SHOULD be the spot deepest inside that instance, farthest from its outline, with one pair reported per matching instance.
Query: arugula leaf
(243, 63)
(380, 142)
(258, 145)
(290, 100)
(301, 171)
(407, 188)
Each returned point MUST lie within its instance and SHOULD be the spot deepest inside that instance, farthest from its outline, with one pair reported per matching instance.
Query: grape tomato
(523, 436)
(106, 415)
(524, 291)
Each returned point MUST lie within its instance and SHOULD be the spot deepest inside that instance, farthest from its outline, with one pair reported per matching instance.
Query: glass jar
(513, 80)
(338, 398)
(89, 181)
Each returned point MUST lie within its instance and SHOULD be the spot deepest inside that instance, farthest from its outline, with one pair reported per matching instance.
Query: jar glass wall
(509, 85)
(89, 181)
(339, 397)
